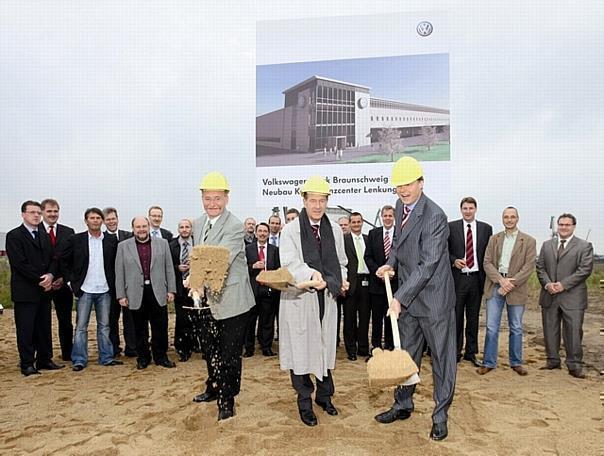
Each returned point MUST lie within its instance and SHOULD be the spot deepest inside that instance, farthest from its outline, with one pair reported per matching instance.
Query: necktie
(53, 238)
(207, 232)
(406, 212)
(155, 233)
(261, 253)
(359, 250)
(35, 234)
(469, 248)
(561, 247)
(274, 240)
(387, 245)
(184, 256)
(315, 231)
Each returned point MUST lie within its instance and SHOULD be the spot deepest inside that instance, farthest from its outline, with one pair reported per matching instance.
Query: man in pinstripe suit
(425, 299)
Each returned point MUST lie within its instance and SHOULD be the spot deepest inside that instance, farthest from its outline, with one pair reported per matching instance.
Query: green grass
(438, 152)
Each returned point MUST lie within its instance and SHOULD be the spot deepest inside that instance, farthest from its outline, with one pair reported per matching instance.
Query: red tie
(387, 245)
(469, 248)
(53, 238)
(261, 253)
(406, 212)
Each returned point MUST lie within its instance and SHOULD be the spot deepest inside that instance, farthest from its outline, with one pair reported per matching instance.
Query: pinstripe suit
(427, 296)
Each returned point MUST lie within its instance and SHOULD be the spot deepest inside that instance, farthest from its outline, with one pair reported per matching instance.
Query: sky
(130, 103)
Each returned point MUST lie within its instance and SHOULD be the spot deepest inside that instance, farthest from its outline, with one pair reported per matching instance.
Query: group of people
(438, 271)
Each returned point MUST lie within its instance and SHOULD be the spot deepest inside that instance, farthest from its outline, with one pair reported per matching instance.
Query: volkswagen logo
(424, 28)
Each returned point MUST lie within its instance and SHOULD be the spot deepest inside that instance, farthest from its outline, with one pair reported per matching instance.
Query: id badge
(364, 283)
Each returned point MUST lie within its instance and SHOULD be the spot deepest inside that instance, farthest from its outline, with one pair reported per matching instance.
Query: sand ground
(121, 411)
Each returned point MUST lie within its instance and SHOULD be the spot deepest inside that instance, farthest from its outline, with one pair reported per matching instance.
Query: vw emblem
(424, 28)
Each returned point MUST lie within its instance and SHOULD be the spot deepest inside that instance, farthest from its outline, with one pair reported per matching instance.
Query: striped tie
(406, 212)
(387, 245)
(469, 248)
(207, 232)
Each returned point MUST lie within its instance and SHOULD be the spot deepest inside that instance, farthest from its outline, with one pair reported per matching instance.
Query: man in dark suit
(112, 227)
(88, 259)
(468, 239)
(379, 245)
(274, 224)
(33, 270)
(357, 309)
(186, 329)
(262, 256)
(249, 227)
(145, 283)
(156, 215)
(563, 266)
(61, 295)
(425, 299)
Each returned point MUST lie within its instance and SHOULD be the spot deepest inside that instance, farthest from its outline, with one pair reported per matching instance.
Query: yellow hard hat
(214, 181)
(405, 171)
(316, 184)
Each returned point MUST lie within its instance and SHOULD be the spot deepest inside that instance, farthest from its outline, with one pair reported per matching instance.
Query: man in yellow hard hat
(312, 248)
(425, 299)
(223, 326)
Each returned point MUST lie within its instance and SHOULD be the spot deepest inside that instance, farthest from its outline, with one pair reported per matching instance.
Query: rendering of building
(321, 113)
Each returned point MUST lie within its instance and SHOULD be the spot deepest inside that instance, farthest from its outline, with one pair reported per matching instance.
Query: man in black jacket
(89, 261)
(262, 256)
(33, 270)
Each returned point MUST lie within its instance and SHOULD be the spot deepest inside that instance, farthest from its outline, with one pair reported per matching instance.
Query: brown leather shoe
(577, 373)
(520, 370)
(484, 370)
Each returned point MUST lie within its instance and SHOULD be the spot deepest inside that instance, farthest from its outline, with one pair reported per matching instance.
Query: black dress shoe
(439, 431)
(577, 373)
(328, 407)
(29, 370)
(208, 396)
(165, 362)
(308, 417)
(142, 364)
(472, 359)
(390, 416)
(459, 357)
(49, 365)
(226, 409)
(352, 357)
(184, 357)
(77, 368)
(248, 354)
(114, 362)
(269, 352)
(550, 366)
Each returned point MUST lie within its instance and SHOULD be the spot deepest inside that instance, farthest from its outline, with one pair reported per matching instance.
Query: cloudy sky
(129, 103)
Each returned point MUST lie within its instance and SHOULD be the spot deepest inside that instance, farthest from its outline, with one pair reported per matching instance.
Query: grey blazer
(237, 296)
(572, 270)
(129, 272)
(421, 254)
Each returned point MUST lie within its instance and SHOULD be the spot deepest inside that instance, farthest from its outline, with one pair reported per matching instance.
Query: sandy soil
(122, 411)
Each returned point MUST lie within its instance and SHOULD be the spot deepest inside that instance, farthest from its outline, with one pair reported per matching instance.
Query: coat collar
(414, 218)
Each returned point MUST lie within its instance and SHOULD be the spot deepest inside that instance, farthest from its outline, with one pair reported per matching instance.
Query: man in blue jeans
(508, 263)
(89, 261)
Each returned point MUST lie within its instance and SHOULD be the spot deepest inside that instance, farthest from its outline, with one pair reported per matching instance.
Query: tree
(429, 135)
(388, 139)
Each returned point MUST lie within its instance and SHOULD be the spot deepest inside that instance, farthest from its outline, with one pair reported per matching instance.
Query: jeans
(495, 306)
(102, 305)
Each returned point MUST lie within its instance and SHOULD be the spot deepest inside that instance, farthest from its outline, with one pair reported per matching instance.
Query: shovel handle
(393, 319)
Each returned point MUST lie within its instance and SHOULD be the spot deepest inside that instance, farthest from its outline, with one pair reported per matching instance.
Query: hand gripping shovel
(391, 368)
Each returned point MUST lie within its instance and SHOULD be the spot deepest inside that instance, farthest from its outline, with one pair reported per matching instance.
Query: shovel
(391, 368)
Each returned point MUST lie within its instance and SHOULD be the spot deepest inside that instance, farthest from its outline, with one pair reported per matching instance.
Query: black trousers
(129, 332)
(468, 295)
(187, 331)
(222, 341)
(264, 313)
(63, 302)
(34, 338)
(151, 313)
(357, 312)
(379, 323)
